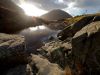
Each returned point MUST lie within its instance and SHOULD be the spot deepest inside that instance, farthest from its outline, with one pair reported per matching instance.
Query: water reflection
(42, 27)
(36, 35)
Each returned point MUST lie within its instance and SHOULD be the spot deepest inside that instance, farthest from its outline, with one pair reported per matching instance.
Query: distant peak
(56, 14)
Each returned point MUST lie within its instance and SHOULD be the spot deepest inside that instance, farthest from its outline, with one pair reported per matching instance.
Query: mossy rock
(81, 22)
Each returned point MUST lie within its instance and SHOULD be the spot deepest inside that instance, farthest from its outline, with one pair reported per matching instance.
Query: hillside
(56, 14)
(13, 19)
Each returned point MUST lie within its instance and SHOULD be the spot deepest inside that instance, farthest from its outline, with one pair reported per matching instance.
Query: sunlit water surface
(35, 36)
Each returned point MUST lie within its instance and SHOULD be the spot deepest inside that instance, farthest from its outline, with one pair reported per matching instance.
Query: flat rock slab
(12, 49)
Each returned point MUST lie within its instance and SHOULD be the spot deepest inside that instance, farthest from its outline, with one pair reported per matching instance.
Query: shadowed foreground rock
(12, 51)
(19, 70)
(45, 67)
(86, 50)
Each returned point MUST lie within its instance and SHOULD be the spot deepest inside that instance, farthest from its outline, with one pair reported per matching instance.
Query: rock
(86, 50)
(55, 50)
(24, 69)
(56, 25)
(54, 45)
(12, 50)
(8, 4)
(70, 30)
(45, 67)
(19, 70)
(12, 17)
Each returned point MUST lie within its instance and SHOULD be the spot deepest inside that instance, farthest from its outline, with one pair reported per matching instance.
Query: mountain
(10, 5)
(56, 14)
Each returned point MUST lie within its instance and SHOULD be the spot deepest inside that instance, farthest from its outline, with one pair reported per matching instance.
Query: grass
(73, 20)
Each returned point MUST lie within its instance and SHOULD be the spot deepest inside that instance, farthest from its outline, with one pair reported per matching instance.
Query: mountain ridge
(56, 14)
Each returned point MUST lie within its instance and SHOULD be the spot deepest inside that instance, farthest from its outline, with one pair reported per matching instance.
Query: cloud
(78, 7)
(87, 3)
(48, 4)
(74, 7)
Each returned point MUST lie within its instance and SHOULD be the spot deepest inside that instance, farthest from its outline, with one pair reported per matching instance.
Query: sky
(73, 7)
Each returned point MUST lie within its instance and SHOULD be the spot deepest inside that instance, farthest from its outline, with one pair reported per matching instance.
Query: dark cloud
(87, 3)
(55, 4)
(69, 5)
(48, 4)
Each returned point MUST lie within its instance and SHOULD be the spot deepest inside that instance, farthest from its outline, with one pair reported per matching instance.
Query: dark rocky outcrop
(12, 51)
(19, 70)
(86, 50)
(70, 30)
(12, 48)
(56, 14)
(9, 5)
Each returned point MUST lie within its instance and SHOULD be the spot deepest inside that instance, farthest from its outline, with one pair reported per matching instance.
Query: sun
(32, 10)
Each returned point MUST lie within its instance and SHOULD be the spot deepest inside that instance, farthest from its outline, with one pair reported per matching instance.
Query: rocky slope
(79, 48)
(56, 14)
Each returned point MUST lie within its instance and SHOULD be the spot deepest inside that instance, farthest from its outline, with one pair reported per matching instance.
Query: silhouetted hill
(13, 18)
(56, 15)
(8, 4)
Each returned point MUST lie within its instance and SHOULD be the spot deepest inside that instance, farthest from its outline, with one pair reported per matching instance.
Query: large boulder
(55, 50)
(19, 70)
(24, 69)
(45, 67)
(12, 50)
(86, 50)
(70, 30)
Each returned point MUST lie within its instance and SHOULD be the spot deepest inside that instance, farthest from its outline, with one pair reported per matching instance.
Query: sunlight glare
(37, 28)
(71, 5)
(31, 10)
(60, 1)
(42, 27)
